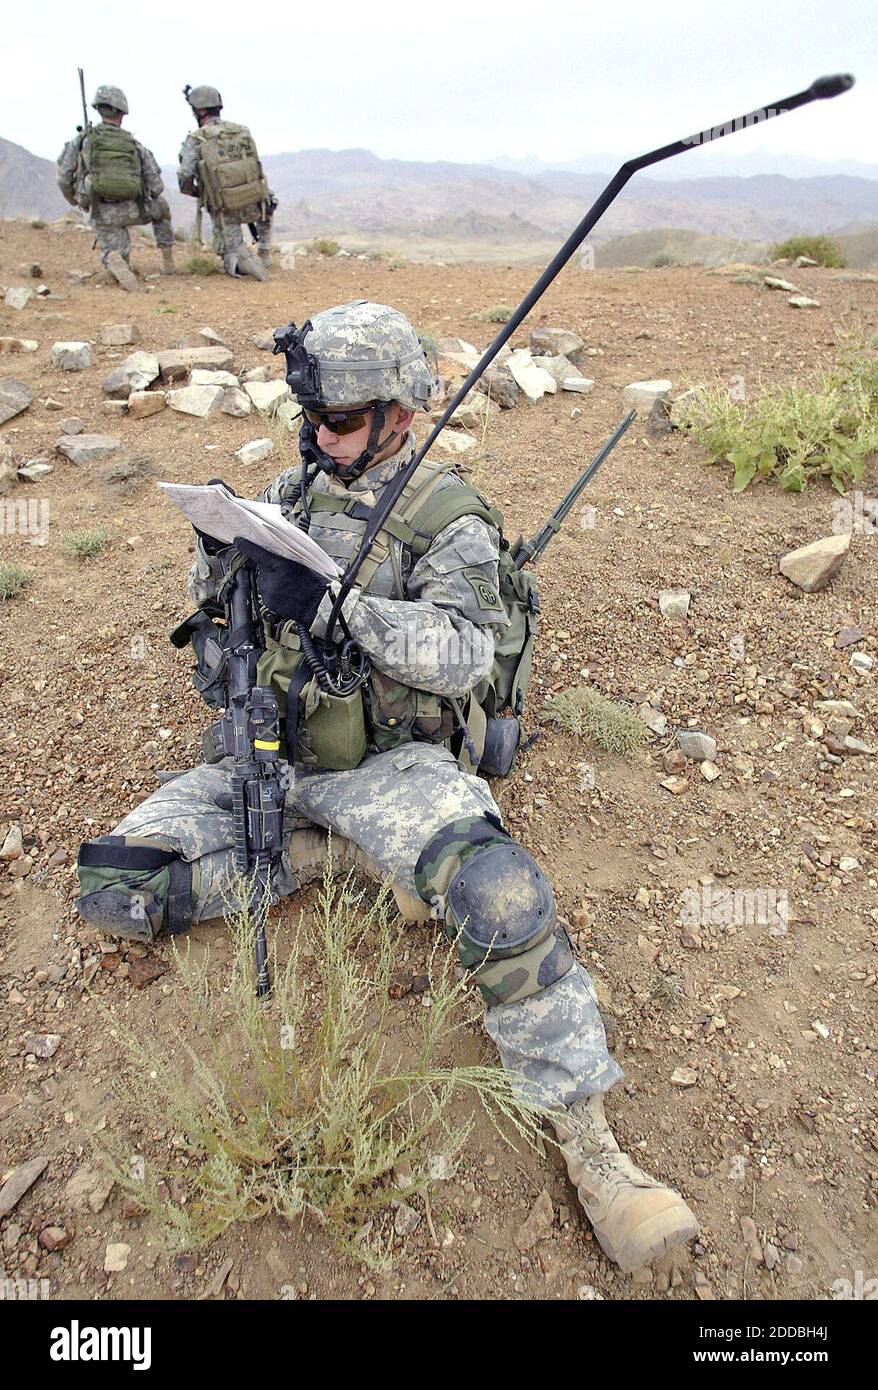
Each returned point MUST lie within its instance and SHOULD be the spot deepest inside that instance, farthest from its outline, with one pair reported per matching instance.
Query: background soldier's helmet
(203, 98)
(369, 352)
(111, 96)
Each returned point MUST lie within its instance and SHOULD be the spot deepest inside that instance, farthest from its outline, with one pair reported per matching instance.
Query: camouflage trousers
(119, 238)
(389, 808)
(228, 235)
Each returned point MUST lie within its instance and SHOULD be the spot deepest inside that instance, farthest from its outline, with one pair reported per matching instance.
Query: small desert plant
(792, 433)
(87, 542)
(298, 1105)
(13, 579)
(202, 265)
(662, 259)
(581, 710)
(324, 246)
(821, 249)
(38, 224)
(499, 313)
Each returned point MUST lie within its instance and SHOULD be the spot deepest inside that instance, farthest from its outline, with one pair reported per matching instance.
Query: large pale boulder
(534, 381)
(236, 402)
(119, 334)
(14, 398)
(812, 566)
(85, 448)
(71, 357)
(267, 396)
(196, 400)
(144, 403)
(136, 373)
(202, 377)
(642, 395)
(18, 297)
(555, 342)
(177, 363)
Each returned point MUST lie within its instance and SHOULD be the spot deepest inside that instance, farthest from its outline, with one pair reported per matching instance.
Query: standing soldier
(115, 179)
(220, 166)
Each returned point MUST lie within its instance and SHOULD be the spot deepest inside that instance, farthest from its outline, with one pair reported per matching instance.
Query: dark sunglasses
(339, 421)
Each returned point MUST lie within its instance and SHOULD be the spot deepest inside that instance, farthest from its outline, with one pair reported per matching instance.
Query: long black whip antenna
(819, 90)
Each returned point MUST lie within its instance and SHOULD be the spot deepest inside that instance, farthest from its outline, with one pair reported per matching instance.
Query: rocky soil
(748, 1043)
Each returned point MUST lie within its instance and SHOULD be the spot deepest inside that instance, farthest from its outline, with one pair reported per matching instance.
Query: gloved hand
(211, 545)
(289, 589)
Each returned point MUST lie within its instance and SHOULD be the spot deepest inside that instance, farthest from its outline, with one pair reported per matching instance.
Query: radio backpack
(229, 170)
(113, 164)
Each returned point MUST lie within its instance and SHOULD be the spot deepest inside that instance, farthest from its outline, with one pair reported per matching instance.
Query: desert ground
(771, 1135)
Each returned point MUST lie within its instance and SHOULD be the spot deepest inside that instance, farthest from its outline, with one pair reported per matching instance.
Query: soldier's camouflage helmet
(202, 98)
(111, 96)
(369, 352)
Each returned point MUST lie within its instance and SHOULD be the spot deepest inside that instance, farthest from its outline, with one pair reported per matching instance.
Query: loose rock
(14, 398)
(555, 342)
(179, 362)
(116, 1258)
(136, 373)
(696, 745)
(71, 357)
(268, 395)
(144, 403)
(642, 395)
(18, 297)
(537, 1224)
(119, 334)
(254, 451)
(674, 604)
(236, 402)
(196, 400)
(18, 1183)
(812, 566)
(85, 448)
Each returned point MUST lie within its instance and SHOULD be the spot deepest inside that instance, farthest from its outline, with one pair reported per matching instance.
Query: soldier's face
(344, 448)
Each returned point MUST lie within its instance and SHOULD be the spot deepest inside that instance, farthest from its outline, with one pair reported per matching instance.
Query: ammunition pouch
(321, 730)
(210, 641)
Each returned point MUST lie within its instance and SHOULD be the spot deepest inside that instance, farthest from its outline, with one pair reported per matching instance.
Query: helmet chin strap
(346, 472)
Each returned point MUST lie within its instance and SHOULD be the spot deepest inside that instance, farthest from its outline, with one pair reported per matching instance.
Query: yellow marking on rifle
(265, 743)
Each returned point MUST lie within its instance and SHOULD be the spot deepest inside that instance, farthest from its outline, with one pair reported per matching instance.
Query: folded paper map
(219, 513)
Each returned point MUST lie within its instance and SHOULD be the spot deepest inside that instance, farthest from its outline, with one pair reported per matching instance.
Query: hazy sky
(448, 80)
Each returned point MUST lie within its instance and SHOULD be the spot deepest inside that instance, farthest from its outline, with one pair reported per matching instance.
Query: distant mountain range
(354, 193)
(28, 184)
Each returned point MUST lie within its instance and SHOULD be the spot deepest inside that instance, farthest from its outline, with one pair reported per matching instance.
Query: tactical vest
(113, 164)
(334, 733)
(229, 172)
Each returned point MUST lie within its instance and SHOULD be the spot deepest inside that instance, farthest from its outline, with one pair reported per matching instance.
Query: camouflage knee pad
(135, 887)
(499, 908)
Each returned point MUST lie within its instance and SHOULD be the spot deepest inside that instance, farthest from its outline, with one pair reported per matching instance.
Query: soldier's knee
(498, 907)
(135, 887)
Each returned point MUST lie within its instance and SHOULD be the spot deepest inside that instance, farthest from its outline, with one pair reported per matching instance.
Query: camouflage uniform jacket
(187, 174)
(73, 180)
(428, 625)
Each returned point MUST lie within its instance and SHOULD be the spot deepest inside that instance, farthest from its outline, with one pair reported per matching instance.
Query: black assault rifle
(248, 731)
(524, 551)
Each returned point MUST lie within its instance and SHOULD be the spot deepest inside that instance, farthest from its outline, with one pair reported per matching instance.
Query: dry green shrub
(324, 246)
(87, 542)
(790, 432)
(297, 1104)
(614, 727)
(13, 579)
(498, 313)
(821, 249)
(202, 265)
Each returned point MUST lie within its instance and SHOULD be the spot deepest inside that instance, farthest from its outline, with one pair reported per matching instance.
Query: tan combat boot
(635, 1218)
(121, 270)
(168, 267)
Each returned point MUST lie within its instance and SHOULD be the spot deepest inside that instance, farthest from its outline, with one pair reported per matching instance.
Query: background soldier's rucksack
(229, 172)
(113, 164)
